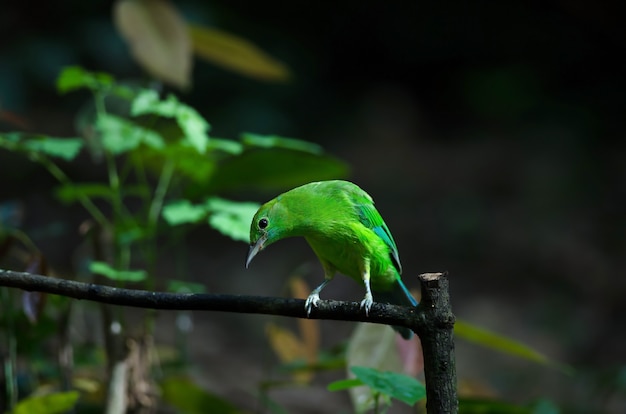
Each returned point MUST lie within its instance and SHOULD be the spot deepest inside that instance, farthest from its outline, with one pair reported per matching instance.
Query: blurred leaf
(158, 38)
(226, 145)
(186, 396)
(193, 125)
(66, 148)
(344, 384)
(309, 328)
(75, 77)
(486, 338)
(544, 406)
(274, 169)
(120, 135)
(70, 193)
(275, 141)
(401, 387)
(180, 286)
(235, 53)
(101, 268)
(182, 211)
(232, 218)
(289, 348)
(59, 402)
(490, 406)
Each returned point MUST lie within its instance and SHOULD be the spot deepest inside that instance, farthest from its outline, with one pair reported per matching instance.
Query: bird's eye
(263, 223)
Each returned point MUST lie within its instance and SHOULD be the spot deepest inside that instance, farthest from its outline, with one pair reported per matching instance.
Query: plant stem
(159, 194)
(57, 173)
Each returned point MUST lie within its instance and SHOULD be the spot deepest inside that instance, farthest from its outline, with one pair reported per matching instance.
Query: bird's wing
(370, 218)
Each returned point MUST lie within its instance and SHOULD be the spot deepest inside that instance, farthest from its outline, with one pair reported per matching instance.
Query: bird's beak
(255, 248)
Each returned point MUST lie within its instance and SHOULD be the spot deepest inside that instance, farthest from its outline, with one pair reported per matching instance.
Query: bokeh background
(489, 133)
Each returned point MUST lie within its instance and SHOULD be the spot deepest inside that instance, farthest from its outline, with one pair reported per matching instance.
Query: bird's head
(266, 228)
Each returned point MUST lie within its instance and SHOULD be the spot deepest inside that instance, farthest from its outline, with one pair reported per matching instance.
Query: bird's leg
(368, 300)
(314, 296)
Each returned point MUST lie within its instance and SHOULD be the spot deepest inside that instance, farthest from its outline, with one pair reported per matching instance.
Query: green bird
(340, 223)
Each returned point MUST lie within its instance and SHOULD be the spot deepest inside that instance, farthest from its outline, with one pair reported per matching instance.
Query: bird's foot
(311, 301)
(367, 303)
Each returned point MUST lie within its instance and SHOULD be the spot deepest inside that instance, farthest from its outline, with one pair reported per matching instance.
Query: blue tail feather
(398, 295)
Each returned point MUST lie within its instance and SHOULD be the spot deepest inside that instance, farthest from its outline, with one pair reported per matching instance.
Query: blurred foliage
(150, 164)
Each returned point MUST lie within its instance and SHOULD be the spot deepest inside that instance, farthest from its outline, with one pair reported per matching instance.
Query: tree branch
(432, 320)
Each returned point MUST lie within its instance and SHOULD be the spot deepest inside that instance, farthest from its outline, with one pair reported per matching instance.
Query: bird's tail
(398, 295)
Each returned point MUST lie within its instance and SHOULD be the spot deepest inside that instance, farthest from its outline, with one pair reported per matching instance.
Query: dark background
(489, 133)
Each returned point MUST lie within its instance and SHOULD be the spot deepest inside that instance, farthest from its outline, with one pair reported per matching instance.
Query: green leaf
(232, 218)
(275, 141)
(59, 402)
(120, 135)
(182, 211)
(75, 77)
(186, 396)
(273, 169)
(189, 120)
(401, 387)
(344, 384)
(226, 145)
(101, 268)
(70, 193)
(180, 286)
(544, 406)
(484, 337)
(65, 148)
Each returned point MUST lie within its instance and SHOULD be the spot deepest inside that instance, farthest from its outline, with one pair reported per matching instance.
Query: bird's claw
(367, 303)
(311, 302)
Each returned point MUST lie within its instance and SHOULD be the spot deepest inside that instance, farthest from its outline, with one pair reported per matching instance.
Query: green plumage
(339, 221)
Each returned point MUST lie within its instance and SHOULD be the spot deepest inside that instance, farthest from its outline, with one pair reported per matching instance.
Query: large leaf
(274, 169)
(486, 338)
(399, 386)
(236, 54)
(158, 38)
(59, 402)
